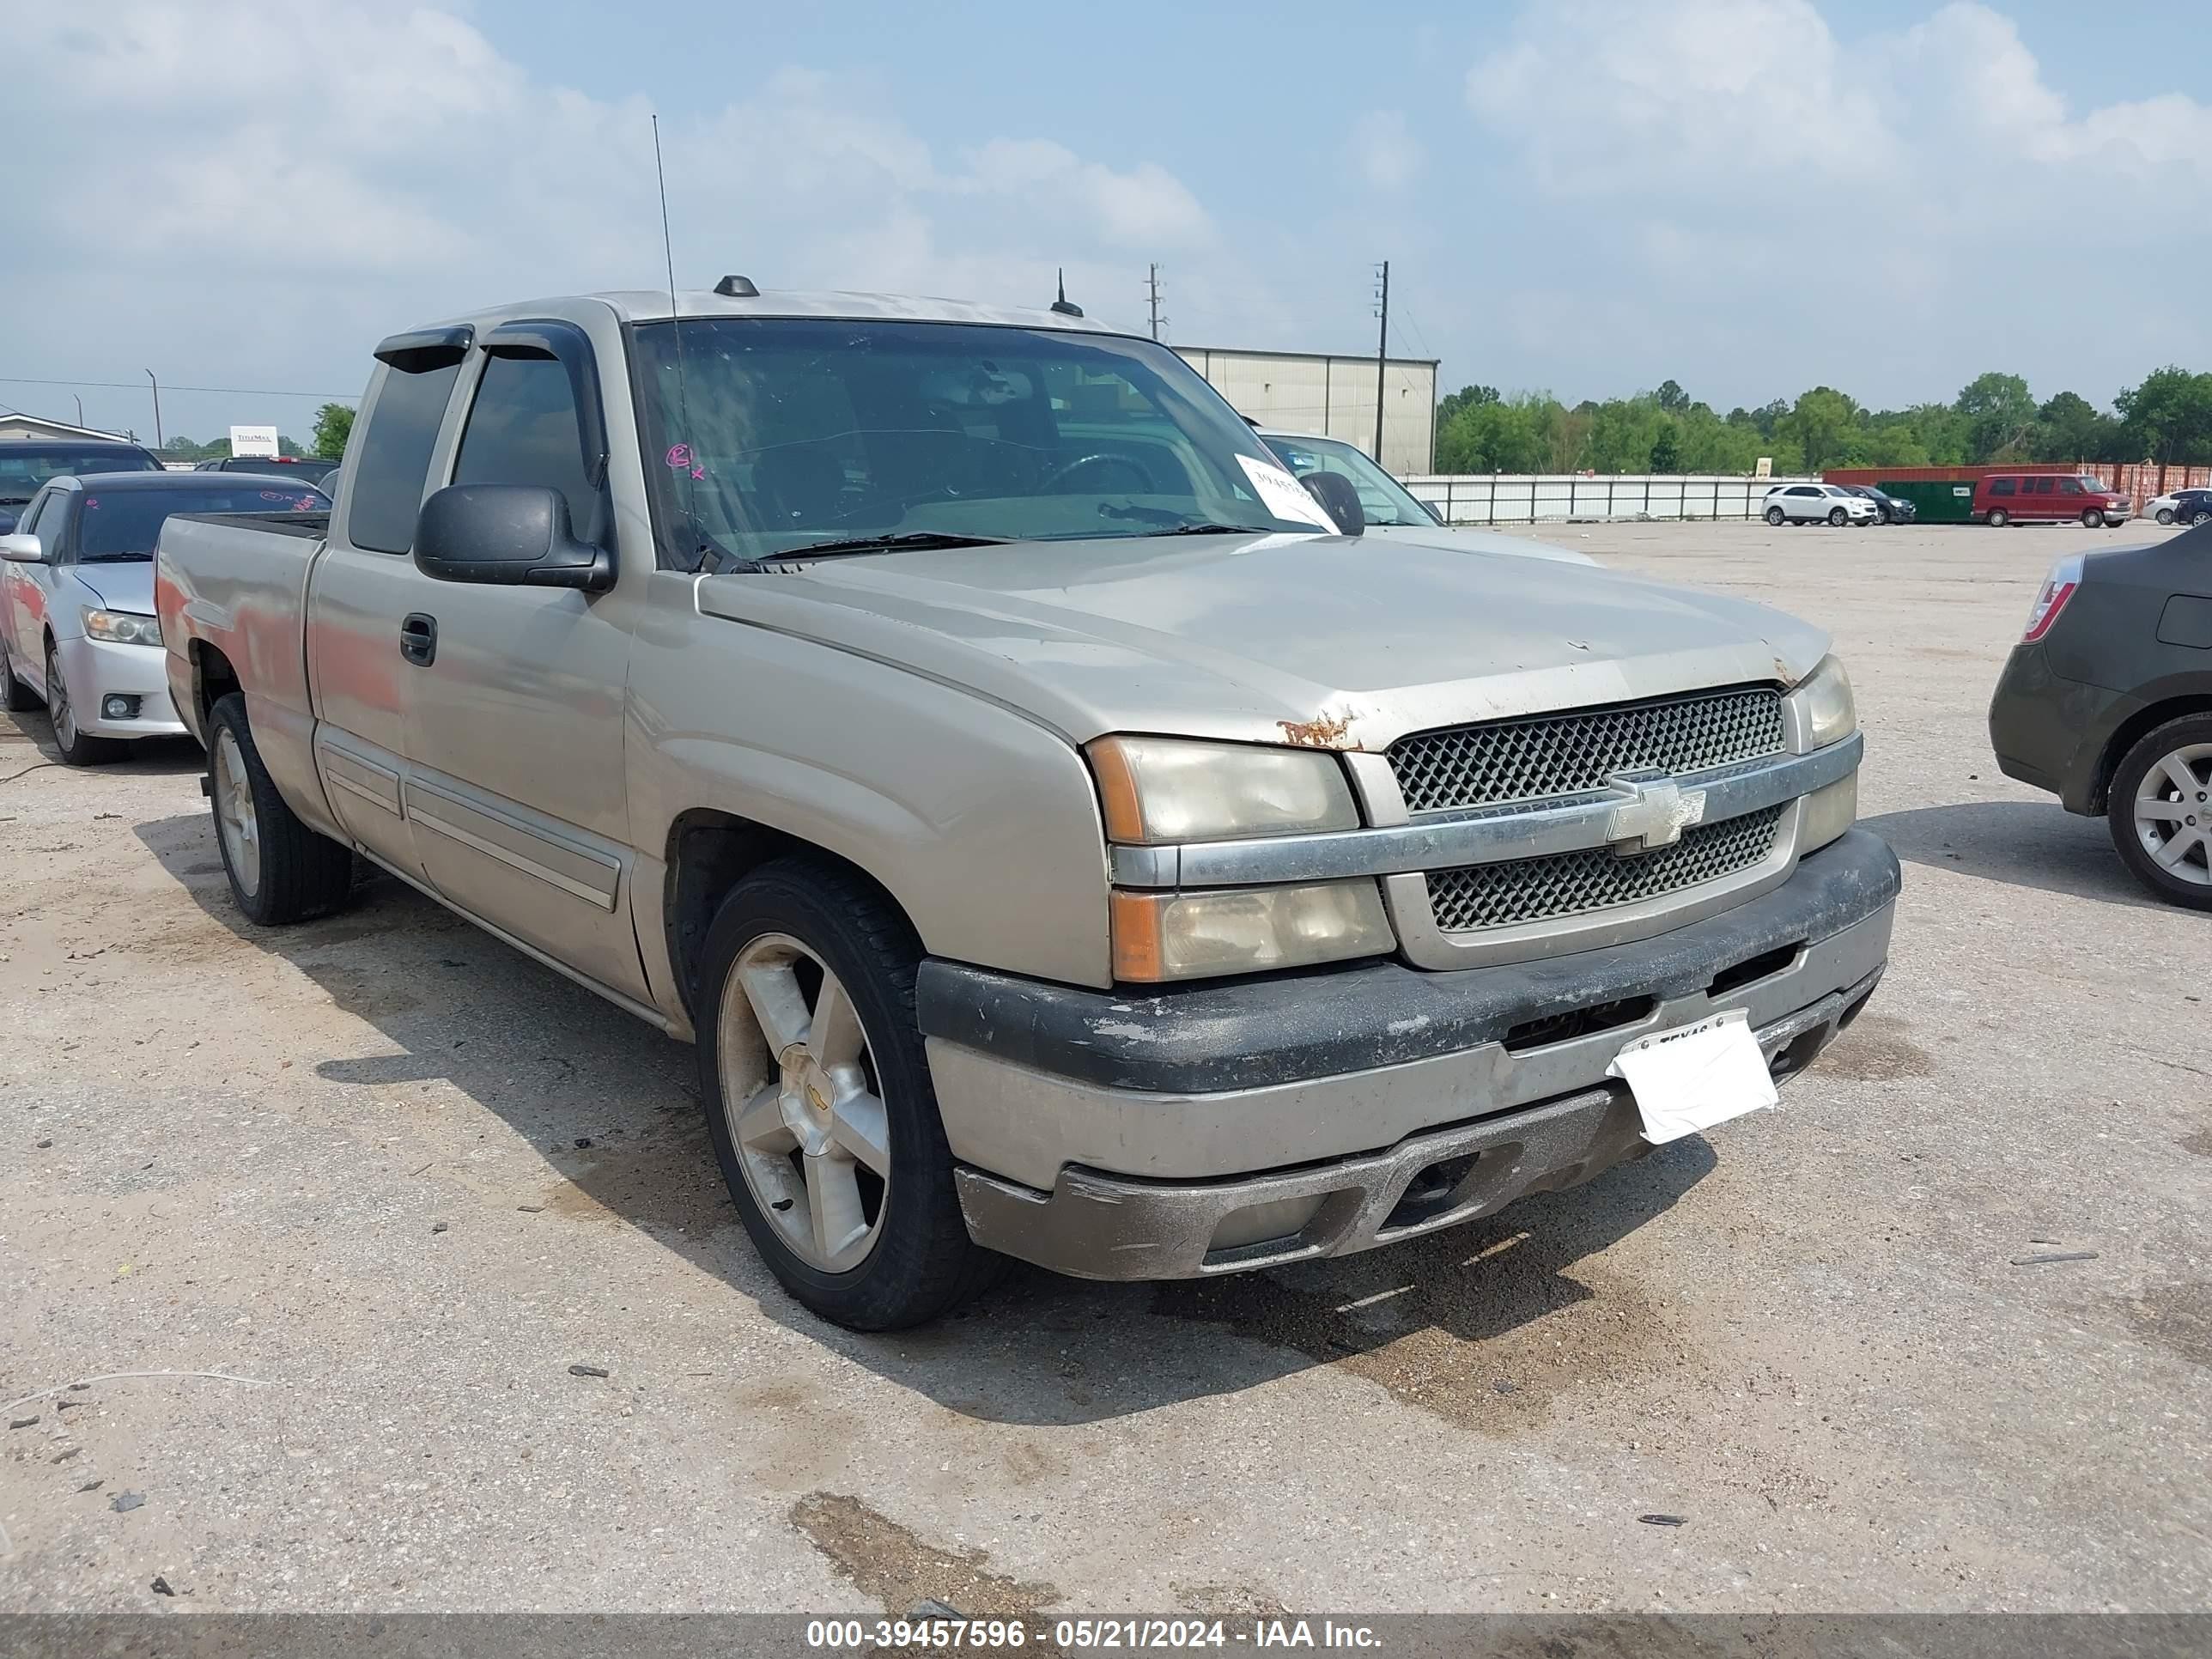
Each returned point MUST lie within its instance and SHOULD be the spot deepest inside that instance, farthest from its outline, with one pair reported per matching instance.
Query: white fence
(1523, 498)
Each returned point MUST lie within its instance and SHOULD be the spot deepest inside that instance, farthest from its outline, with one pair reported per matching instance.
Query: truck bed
(236, 584)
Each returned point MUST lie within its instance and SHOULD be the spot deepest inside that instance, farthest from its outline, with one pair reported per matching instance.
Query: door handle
(418, 639)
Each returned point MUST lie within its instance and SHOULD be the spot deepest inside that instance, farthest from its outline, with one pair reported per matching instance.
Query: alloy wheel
(2173, 814)
(801, 1094)
(234, 817)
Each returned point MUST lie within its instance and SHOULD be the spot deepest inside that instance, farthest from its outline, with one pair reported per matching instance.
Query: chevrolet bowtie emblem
(1655, 814)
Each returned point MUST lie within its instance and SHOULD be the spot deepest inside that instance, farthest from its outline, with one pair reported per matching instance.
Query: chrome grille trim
(1577, 884)
(1541, 757)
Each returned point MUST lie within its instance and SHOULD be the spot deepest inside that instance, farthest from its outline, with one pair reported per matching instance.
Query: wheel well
(2130, 732)
(213, 678)
(709, 852)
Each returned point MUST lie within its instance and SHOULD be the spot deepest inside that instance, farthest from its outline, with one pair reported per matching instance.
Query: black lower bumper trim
(1284, 1028)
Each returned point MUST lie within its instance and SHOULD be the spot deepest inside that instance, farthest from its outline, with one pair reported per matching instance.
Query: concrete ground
(405, 1180)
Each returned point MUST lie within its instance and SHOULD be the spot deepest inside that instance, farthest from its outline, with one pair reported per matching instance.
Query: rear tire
(77, 749)
(1774, 515)
(2165, 515)
(280, 870)
(16, 697)
(783, 1099)
(1998, 518)
(2148, 799)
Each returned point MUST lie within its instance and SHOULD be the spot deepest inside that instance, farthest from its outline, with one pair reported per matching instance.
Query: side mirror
(22, 550)
(507, 536)
(1339, 500)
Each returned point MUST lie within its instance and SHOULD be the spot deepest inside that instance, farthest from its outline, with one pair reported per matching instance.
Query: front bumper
(1215, 1128)
(97, 669)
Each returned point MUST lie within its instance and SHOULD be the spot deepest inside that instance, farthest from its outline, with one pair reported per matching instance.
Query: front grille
(1596, 879)
(1548, 755)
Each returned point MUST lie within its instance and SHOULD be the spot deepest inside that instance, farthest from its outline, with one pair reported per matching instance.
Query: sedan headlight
(123, 627)
(1155, 790)
(1246, 930)
(1825, 705)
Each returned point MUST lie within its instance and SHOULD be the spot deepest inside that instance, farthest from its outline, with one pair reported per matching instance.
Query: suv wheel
(2092, 519)
(280, 870)
(1837, 516)
(1999, 517)
(78, 747)
(2161, 810)
(1774, 515)
(819, 1103)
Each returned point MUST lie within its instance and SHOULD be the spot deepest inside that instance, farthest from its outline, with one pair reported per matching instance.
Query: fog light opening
(115, 706)
(1432, 1192)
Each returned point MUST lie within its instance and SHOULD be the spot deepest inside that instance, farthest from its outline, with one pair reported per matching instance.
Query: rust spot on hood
(1329, 732)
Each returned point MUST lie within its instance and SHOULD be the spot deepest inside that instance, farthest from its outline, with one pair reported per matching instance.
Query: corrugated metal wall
(1331, 397)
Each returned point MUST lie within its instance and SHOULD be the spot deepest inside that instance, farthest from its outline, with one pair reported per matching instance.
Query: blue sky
(1750, 197)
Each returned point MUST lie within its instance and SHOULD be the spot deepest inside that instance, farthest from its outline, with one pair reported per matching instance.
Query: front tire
(819, 1102)
(1999, 517)
(2160, 811)
(77, 748)
(1774, 515)
(280, 870)
(2092, 519)
(1837, 517)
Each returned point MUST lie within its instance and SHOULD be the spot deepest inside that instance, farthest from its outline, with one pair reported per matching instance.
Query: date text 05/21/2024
(1087, 1634)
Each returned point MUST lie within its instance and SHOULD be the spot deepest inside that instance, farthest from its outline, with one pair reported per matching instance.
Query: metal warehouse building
(1331, 397)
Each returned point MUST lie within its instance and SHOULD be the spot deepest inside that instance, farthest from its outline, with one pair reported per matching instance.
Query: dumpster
(1938, 500)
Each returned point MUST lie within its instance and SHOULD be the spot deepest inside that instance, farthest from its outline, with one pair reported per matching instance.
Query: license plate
(1695, 1076)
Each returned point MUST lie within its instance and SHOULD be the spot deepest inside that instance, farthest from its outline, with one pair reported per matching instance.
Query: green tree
(1499, 435)
(2000, 416)
(2169, 416)
(2069, 428)
(1820, 424)
(1666, 449)
(334, 426)
(1671, 397)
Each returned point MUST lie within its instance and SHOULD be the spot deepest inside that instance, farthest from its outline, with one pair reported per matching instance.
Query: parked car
(27, 463)
(77, 599)
(2001, 498)
(1391, 512)
(276, 466)
(1812, 503)
(2106, 702)
(2160, 507)
(2191, 507)
(1893, 510)
(956, 723)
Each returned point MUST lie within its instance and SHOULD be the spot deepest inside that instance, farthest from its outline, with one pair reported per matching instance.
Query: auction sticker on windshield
(1284, 495)
(1695, 1076)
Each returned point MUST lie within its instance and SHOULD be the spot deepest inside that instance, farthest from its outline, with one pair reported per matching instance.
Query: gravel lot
(406, 1180)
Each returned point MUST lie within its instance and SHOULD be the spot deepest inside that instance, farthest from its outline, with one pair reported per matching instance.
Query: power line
(241, 390)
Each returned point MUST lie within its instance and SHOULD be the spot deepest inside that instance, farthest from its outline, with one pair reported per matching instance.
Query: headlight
(1825, 705)
(1828, 812)
(123, 627)
(1171, 789)
(1247, 930)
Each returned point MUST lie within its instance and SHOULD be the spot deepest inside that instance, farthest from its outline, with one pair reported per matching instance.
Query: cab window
(394, 457)
(523, 429)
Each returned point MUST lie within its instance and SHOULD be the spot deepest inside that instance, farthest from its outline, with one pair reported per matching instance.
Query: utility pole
(1381, 351)
(157, 409)
(1152, 286)
(80, 409)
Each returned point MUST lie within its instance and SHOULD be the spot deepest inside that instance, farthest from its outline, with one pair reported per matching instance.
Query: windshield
(116, 524)
(773, 434)
(24, 468)
(1384, 499)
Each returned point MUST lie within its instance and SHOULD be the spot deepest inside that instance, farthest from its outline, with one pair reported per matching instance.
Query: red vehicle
(2002, 497)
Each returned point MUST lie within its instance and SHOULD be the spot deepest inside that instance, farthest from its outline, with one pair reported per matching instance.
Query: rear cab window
(393, 457)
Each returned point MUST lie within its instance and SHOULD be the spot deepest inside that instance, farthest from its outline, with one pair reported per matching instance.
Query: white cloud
(1383, 149)
(273, 200)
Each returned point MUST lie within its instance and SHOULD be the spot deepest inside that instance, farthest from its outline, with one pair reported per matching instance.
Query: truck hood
(1320, 639)
(1473, 541)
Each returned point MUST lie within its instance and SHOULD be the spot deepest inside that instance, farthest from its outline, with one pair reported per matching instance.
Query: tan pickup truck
(1061, 836)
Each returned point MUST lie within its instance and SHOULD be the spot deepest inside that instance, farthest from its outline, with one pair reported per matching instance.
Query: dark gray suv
(2106, 702)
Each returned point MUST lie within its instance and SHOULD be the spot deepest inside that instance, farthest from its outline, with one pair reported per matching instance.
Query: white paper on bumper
(1696, 1076)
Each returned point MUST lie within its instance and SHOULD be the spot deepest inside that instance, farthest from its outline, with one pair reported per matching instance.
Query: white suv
(1809, 503)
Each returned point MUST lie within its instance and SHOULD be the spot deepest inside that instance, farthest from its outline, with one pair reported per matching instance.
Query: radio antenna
(676, 322)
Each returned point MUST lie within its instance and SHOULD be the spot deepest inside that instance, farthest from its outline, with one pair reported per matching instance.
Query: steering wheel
(1100, 457)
